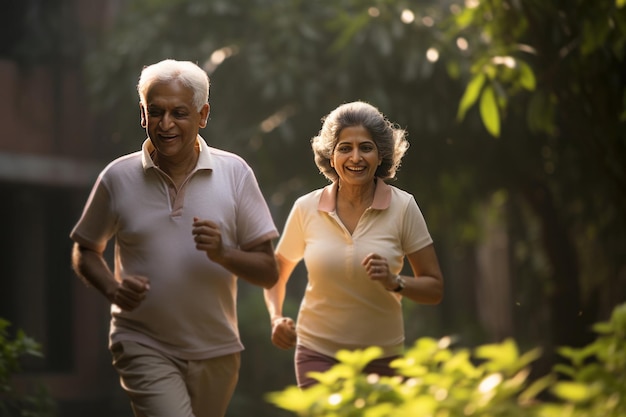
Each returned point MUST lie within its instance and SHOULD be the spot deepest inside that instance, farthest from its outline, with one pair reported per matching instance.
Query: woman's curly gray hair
(389, 139)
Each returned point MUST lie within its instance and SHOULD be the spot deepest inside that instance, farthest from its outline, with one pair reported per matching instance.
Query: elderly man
(187, 220)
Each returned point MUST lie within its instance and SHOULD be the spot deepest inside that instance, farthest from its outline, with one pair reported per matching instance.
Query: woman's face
(355, 157)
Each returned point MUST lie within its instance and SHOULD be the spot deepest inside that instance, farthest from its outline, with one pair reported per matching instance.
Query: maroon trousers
(307, 360)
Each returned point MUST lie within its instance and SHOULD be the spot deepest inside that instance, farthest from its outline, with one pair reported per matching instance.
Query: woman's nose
(356, 155)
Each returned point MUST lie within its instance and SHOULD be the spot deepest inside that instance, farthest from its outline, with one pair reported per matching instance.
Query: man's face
(171, 120)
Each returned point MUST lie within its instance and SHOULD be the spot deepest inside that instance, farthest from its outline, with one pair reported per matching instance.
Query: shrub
(488, 381)
(13, 403)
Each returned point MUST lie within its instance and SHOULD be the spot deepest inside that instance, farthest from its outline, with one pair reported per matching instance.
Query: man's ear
(204, 114)
(143, 121)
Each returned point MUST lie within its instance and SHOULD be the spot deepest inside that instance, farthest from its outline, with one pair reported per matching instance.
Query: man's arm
(256, 265)
(92, 268)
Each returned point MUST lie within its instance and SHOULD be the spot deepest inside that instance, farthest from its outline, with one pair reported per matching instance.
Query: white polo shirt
(190, 310)
(342, 307)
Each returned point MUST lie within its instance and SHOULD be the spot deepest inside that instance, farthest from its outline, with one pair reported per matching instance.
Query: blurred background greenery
(515, 109)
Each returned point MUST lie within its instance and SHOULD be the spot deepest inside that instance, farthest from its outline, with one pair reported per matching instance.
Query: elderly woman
(353, 235)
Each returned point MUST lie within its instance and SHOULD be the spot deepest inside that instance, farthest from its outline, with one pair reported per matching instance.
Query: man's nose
(166, 121)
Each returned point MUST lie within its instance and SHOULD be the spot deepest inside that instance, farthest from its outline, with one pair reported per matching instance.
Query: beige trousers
(163, 386)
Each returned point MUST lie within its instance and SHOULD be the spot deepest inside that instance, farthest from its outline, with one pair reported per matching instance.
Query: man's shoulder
(225, 155)
(123, 164)
(126, 161)
(222, 159)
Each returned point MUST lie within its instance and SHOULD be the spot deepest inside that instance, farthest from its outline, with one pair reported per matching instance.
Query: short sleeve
(97, 223)
(291, 244)
(254, 220)
(415, 234)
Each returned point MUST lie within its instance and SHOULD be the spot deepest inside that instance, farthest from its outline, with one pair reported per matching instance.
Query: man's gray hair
(188, 73)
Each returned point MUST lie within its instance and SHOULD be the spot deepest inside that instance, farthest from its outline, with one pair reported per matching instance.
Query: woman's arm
(283, 328)
(426, 286)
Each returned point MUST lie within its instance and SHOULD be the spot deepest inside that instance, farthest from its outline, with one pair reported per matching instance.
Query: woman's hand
(378, 270)
(284, 333)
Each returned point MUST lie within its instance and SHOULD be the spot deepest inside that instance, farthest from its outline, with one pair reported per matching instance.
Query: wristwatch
(400, 284)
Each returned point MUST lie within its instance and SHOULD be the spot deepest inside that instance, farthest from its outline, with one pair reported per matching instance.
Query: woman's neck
(356, 196)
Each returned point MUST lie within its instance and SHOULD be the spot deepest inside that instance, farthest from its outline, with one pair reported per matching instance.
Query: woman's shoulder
(312, 197)
(403, 200)
(399, 193)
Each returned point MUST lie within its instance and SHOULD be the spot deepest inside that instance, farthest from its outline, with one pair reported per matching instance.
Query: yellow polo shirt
(342, 308)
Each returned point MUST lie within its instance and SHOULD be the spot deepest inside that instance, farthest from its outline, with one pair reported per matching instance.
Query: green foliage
(491, 380)
(510, 44)
(13, 403)
(437, 380)
(596, 373)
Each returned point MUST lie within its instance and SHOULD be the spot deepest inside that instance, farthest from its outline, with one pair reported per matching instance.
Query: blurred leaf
(296, 399)
(577, 356)
(489, 111)
(572, 391)
(527, 76)
(359, 358)
(472, 92)
(536, 388)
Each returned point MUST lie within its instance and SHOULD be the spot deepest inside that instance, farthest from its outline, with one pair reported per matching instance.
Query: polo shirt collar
(382, 196)
(204, 160)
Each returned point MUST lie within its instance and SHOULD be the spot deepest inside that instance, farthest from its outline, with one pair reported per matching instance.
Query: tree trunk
(570, 322)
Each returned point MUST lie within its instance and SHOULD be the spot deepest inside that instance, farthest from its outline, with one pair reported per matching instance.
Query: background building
(49, 157)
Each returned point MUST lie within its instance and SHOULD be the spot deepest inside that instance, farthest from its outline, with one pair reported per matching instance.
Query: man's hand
(130, 292)
(208, 238)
